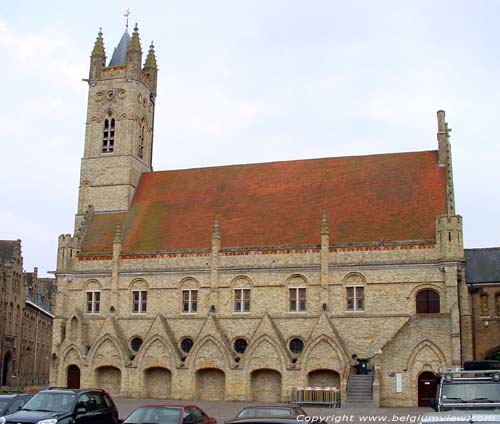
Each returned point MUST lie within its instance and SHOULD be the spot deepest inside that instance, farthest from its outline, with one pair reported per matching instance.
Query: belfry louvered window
(108, 137)
(140, 151)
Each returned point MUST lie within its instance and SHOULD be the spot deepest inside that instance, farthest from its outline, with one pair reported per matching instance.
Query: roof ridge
(294, 160)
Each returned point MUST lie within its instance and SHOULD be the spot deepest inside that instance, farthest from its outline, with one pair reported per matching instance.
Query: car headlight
(49, 421)
(2, 420)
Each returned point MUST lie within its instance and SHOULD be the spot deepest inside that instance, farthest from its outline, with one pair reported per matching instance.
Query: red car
(169, 414)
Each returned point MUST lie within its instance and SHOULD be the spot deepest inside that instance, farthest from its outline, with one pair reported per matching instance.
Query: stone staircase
(360, 390)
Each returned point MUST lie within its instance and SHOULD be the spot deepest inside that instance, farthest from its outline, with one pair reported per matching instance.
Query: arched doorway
(158, 383)
(109, 378)
(427, 388)
(73, 381)
(265, 385)
(6, 369)
(210, 384)
(323, 378)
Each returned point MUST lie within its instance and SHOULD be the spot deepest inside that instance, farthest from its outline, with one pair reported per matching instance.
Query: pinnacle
(98, 50)
(135, 42)
(151, 59)
(216, 231)
(324, 225)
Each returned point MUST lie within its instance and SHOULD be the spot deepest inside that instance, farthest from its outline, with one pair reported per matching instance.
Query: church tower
(119, 126)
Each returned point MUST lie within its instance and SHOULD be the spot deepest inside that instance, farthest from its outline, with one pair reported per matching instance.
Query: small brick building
(243, 282)
(483, 279)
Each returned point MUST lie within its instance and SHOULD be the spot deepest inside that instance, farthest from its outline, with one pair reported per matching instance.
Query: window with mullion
(93, 302)
(297, 297)
(108, 138)
(355, 298)
(189, 301)
(242, 300)
(139, 301)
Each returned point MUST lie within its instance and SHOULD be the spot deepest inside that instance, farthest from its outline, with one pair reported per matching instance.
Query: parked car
(12, 402)
(273, 419)
(267, 410)
(65, 406)
(169, 414)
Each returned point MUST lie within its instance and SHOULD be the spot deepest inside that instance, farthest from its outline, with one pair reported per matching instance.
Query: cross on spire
(127, 14)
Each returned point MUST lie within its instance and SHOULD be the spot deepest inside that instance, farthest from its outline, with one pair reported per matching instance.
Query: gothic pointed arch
(209, 353)
(426, 355)
(156, 352)
(265, 352)
(72, 355)
(107, 352)
(323, 353)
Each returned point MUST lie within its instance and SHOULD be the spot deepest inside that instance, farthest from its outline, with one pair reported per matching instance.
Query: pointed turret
(134, 53)
(119, 57)
(150, 66)
(98, 57)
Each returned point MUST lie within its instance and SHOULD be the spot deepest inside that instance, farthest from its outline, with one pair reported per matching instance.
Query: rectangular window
(189, 301)
(242, 300)
(297, 298)
(93, 302)
(355, 298)
(139, 301)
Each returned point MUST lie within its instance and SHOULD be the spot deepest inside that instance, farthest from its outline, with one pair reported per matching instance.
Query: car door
(103, 413)
(83, 413)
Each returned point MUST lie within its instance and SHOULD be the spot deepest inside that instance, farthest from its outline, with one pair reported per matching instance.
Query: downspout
(473, 292)
(36, 347)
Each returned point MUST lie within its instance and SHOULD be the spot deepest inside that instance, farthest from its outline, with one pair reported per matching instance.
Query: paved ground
(224, 410)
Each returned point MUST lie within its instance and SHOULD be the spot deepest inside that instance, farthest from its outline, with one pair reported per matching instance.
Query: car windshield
(487, 391)
(263, 411)
(4, 403)
(52, 402)
(154, 415)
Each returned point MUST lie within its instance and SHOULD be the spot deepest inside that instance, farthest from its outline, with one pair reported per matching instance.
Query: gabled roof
(483, 265)
(367, 199)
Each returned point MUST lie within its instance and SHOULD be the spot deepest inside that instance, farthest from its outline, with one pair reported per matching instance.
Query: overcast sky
(252, 81)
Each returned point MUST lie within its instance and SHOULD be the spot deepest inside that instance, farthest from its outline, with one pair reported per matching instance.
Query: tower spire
(135, 42)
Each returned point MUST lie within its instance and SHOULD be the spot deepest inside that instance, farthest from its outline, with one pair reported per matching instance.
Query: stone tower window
(240, 345)
(296, 346)
(186, 344)
(428, 302)
(108, 138)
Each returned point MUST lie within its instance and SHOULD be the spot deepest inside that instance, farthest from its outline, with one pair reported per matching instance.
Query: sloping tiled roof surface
(483, 265)
(389, 197)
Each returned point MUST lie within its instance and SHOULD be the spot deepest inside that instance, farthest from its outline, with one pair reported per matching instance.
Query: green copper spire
(151, 59)
(98, 50)
(135, 42)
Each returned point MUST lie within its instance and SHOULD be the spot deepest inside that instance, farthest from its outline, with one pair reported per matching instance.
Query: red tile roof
(389, 197)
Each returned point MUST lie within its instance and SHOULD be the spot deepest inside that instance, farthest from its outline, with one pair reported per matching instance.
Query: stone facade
(26, 326)
(235, 322)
